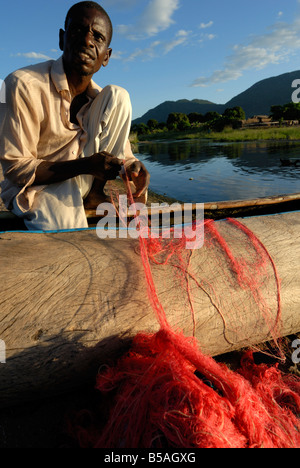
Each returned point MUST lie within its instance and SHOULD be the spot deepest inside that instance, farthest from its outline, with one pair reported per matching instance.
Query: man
(63, 136)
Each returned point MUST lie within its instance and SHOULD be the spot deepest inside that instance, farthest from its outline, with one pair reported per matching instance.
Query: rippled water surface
(203, 171)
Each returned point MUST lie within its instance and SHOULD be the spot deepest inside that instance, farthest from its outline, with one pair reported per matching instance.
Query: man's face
(85, 42)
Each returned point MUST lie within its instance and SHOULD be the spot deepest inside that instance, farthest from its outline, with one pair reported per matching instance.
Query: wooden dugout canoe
(212, 210)
(70, 302)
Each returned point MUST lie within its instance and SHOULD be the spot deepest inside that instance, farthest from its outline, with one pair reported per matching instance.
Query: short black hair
(96, 6)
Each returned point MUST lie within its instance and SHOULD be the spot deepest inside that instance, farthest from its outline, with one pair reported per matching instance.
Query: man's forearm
(100, 165)
(51, 172)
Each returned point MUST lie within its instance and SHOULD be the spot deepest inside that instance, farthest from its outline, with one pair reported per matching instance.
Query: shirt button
(73, 152)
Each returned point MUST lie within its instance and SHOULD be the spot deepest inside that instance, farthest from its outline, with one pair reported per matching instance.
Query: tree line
(179, 121)
(290, 111)
(232, 117)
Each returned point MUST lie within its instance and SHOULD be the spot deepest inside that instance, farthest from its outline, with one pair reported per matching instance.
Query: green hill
(161, 112)
(256, 100)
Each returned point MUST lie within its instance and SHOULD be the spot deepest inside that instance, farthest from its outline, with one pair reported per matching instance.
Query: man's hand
(138, 174)
(105, 166)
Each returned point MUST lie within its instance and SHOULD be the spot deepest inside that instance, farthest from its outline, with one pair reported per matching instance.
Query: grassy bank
(247, 134)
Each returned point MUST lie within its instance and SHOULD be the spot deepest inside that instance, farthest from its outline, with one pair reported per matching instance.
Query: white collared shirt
(37, 127)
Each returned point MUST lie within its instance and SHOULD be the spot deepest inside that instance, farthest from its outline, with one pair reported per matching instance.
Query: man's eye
(78, 30)
(98, 37)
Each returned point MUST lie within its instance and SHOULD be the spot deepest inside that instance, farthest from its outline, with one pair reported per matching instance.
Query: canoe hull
(212, 210)
(71, 302)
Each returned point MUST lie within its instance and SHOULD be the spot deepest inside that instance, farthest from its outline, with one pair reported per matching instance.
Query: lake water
(220, 171)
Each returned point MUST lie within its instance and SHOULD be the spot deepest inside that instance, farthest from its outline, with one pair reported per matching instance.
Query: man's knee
(109, 121)
(117, 95)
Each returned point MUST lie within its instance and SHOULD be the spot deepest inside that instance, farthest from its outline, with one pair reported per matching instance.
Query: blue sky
(167, 49)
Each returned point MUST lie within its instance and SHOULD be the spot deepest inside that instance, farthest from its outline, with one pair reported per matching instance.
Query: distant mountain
(161, 112)
(256, 100)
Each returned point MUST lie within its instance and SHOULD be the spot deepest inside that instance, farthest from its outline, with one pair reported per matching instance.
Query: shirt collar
(60, 81)
(58, 76)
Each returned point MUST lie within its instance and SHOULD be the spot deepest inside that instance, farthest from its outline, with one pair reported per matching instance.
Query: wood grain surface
(71, 302)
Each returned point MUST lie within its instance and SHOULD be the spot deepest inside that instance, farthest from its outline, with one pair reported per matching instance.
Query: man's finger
(135, 167)
(139, 193)
(106, 153)
(114, 162)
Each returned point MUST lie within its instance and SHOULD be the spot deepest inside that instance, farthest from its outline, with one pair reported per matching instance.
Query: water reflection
(201, 170)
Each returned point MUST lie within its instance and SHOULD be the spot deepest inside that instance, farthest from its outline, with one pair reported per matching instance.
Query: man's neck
(78, 84)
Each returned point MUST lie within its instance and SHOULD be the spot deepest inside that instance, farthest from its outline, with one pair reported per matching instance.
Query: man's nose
(89, 39)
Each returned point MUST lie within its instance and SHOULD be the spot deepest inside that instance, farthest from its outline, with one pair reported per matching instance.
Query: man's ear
(61, 39)
(107, 57)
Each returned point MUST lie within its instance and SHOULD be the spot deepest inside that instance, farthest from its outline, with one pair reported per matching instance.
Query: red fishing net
(167, 393)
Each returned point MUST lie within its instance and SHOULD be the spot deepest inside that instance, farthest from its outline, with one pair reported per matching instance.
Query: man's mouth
(85, 57)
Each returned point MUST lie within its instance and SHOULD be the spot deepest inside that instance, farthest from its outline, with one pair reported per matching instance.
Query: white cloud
(156, 17)
(218, 76)
(206, 37)
(151, 52)
(274, 47)
(33, 55)
(146, 53)
(206, 25)
(117, 55)
(180, 38)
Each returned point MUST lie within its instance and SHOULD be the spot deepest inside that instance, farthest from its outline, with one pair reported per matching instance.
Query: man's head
(86, 38)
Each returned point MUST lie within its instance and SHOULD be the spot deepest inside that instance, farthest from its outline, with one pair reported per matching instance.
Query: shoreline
(284, 134)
